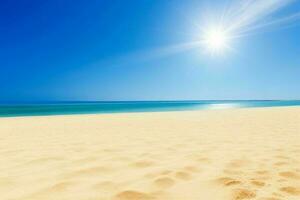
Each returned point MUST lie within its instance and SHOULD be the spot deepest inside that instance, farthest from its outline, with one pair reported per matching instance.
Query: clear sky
(140, 50)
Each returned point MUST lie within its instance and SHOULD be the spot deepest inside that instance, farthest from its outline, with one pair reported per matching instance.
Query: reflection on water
(223, 106)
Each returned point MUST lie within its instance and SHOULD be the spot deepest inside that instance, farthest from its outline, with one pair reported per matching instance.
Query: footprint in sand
(164, 182)
(290, 175)
(281, 163)
(240, 194)
(246, 183)
(183, 175)
(166, 172)
(227, 181)
(186, 173)
(167, 178)
(291, 190)
(258, 183)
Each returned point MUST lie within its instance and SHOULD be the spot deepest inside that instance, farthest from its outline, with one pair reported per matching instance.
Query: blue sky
(56, 50)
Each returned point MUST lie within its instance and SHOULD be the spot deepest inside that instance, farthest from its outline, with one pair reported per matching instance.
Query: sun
(216, 40)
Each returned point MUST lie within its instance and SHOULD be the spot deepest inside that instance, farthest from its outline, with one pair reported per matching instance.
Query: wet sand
(231, 154)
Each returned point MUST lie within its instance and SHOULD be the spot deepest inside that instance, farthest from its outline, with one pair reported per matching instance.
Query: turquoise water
(64, 108)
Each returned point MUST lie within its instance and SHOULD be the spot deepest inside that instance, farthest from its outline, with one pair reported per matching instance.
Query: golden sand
(201, 155)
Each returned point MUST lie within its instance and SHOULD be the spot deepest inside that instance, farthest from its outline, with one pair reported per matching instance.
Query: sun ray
(216, 39)
(241, 19)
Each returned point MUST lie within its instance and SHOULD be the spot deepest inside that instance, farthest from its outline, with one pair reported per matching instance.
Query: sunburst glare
(242, 18)
(216, 40)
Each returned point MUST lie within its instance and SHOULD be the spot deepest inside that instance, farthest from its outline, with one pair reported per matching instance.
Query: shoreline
(132, 107)
(145, 112)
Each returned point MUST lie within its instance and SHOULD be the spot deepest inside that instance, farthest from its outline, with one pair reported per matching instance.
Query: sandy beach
(230, 154)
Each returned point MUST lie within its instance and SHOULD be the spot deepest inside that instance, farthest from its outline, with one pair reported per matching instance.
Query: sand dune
(215, 155)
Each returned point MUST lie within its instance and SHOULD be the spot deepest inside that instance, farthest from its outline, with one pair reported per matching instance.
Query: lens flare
(216, 40)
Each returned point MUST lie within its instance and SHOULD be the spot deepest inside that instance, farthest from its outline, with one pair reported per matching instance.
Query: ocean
(66, 108)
